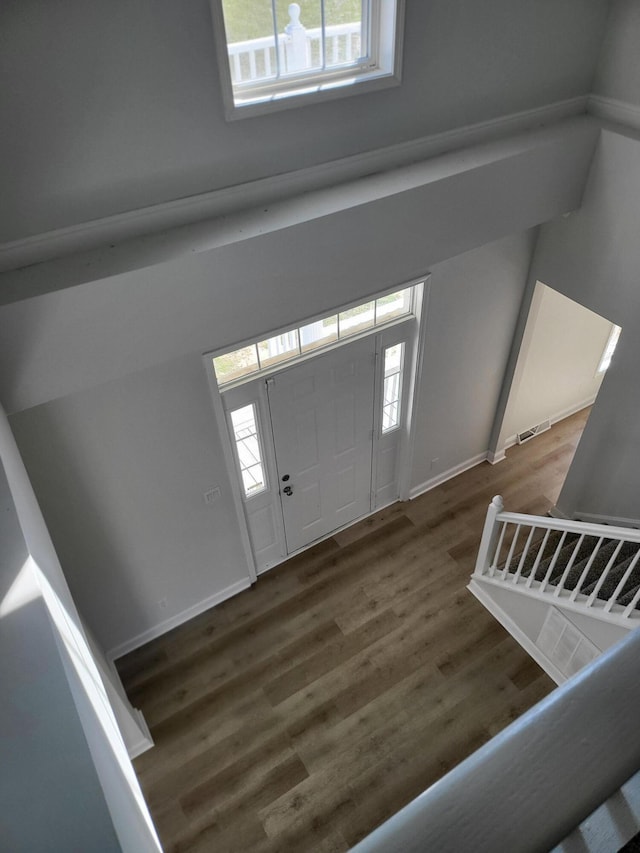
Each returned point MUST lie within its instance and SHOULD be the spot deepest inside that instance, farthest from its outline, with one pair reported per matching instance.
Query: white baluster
(296, 44)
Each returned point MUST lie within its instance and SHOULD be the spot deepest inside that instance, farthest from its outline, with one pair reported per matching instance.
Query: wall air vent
(543, 426)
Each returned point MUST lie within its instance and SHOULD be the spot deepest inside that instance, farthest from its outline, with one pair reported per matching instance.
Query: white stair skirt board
(421, 488)
(509, 625)
(179, 619)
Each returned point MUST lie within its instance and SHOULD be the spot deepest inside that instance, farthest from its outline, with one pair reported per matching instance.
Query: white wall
(618, 72)
(472, 311)
(593, 257)
(557, 368)
(112, 105)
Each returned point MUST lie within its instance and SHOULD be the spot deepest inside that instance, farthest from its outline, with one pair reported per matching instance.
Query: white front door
(322, 416)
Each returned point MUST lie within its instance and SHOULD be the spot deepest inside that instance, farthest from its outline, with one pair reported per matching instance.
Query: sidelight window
(248, 449)
(392, 389)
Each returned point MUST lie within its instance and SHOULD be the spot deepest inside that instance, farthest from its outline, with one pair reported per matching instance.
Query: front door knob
(288, 490)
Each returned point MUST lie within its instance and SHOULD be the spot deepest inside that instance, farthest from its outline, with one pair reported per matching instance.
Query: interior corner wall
(472, 311)
(69, 782)
(618, 73)
(593, 257)
(49, 790)
(557, 368)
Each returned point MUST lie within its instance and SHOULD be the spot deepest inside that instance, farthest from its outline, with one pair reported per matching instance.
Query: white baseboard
(509, 625)
(573, 409)
(611, 520)
(145, 742)
(556, 512)
(178, 619)
(420, 489)
(620, 112)
(498, 456)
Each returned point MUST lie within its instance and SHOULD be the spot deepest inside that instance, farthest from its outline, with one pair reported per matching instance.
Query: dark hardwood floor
(305, 711)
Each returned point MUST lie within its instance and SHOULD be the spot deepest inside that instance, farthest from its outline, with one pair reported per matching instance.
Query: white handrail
(631, 534)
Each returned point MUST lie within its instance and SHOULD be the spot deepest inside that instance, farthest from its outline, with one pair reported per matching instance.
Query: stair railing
(560, 559)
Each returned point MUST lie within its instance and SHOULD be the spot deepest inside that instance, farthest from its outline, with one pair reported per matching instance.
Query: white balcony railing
(298, 49)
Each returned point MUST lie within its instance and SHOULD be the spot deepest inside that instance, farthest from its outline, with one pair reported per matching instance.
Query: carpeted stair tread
(580, 561)
(552, 543)
(584, 552)
(616, 574)
(598, 565)
(627, 598)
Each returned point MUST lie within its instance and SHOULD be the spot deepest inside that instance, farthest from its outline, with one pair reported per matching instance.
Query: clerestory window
(275, 54)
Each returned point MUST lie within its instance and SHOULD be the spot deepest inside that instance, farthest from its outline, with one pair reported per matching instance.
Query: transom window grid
(248, 450)
(276, 49)
(392, 387)
(245, 362)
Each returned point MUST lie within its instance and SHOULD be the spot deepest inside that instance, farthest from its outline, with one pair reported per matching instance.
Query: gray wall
(618, 73)
(50, 793)
(66, 782)
(319, 252)
(473, 307)
(111, 105)
(593, 257)
(111, 408)
(120, 469)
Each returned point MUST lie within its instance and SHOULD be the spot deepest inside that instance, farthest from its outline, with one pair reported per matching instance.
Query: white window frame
(411, 286)
(381, 70)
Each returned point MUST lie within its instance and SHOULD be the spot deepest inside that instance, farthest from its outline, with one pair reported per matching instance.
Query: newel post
(296, 43)
(489, 536)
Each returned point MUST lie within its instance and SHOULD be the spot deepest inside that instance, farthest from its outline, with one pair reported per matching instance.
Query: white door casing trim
(422, 286)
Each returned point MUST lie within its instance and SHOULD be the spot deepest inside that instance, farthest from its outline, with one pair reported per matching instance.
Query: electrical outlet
(212, 495)
(162, 604)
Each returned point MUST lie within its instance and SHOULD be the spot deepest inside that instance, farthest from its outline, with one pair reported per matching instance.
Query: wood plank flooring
(305, 711)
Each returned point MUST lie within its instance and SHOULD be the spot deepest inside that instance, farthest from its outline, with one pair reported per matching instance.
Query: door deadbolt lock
(288, 490)
(285, 477)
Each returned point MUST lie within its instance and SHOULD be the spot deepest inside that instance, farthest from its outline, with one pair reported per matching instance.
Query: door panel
(321, 414)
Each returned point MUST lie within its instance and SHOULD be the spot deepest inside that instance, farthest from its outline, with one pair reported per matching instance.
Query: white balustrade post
(296, 44)
(489, 535)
